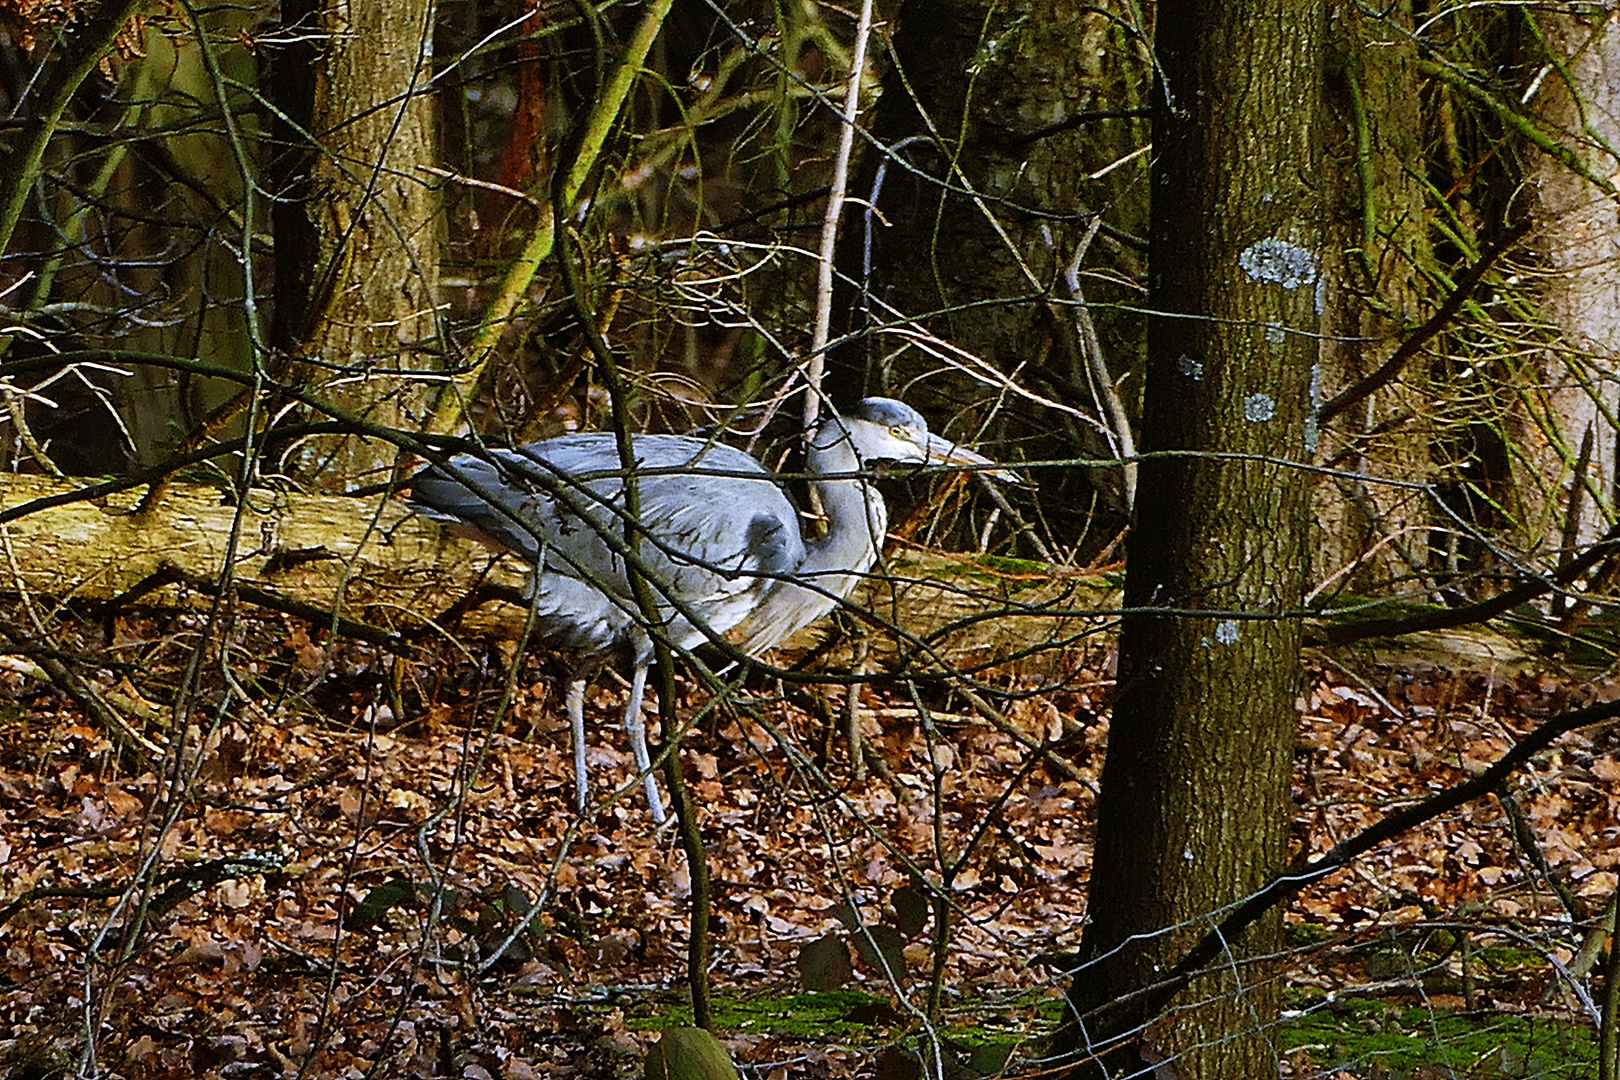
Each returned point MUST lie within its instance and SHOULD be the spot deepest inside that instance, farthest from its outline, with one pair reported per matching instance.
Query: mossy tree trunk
(1375, 248)
(1195, 788)
(373, 561)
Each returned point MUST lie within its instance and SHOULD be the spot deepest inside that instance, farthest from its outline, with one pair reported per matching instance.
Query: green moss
(808, 1015)
(1007, 565)
(857, 1016)
(1360, 1037)
(1374, 1037)
(1308, 934)
(1511, 958)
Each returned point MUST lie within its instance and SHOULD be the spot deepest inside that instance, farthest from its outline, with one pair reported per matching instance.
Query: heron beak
(938, 451)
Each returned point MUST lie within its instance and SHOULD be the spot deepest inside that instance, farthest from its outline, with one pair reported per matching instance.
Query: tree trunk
(1369, 533)
(356, 225)
(1581, 294)
(1194, 808)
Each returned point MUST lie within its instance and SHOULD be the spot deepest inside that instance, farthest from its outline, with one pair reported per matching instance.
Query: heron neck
(856, 518)
(835, 561)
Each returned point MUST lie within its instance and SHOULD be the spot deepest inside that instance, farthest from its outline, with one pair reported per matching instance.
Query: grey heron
(721, 543)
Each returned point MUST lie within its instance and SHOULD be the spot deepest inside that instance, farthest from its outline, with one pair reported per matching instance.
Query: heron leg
(636, 728)
(576, 722)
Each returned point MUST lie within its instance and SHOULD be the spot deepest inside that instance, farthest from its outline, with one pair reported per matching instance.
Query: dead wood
(372, 569)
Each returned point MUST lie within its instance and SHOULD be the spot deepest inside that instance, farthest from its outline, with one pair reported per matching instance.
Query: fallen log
(371, 568)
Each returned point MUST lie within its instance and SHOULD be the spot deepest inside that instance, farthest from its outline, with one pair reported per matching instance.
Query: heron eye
(897, 430)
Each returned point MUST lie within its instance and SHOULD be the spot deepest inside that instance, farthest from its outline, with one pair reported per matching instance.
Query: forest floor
(338, 870)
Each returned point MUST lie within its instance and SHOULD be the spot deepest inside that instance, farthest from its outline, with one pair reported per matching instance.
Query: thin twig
(1484, 611)
(1437, 322)
(836, 195)
(514, 287)
(1385, 829)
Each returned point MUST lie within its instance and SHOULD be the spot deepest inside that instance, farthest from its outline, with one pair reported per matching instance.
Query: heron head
(882, 429)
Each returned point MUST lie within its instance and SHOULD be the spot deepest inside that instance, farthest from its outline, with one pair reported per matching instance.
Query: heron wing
(484, 500)
(714, 522)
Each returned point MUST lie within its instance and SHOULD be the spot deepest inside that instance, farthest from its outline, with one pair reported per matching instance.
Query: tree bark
(92, 38)
(1581, 291)
(356, 225)
(1194, 807)
(1376, 244)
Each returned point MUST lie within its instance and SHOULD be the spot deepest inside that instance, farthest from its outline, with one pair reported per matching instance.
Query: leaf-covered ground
(338, 870)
